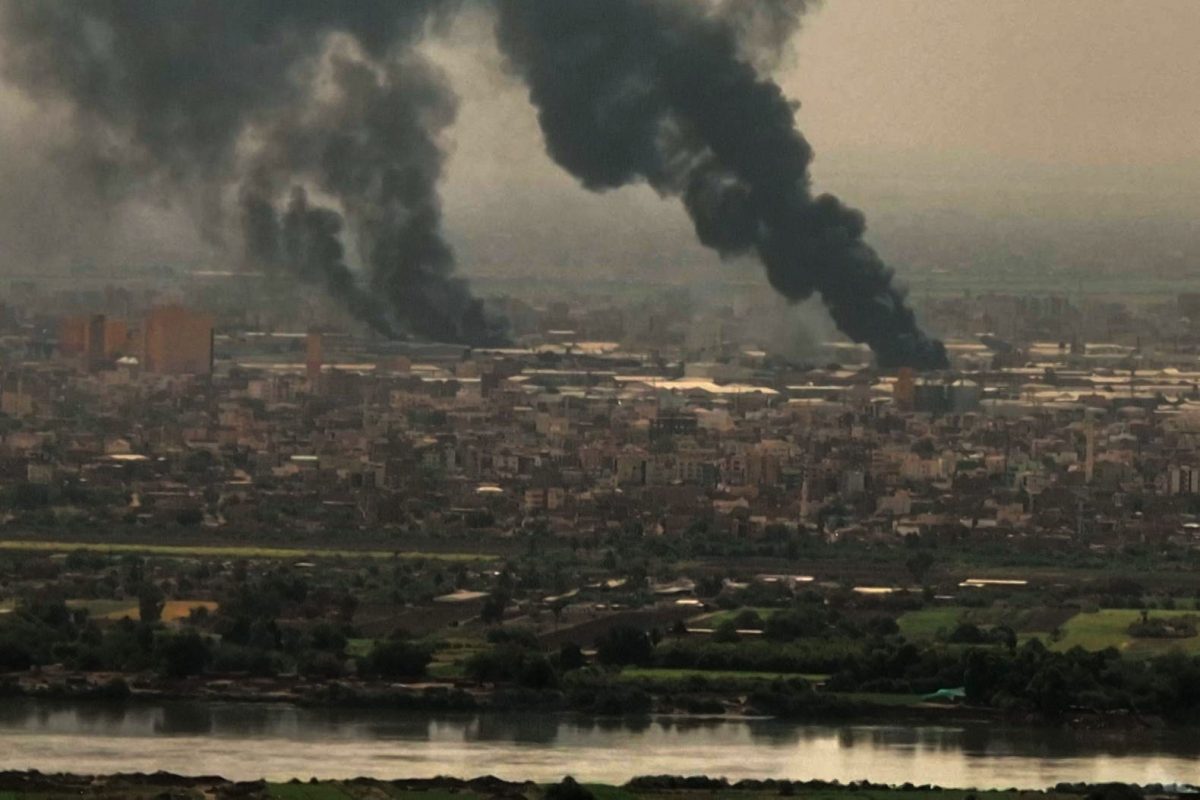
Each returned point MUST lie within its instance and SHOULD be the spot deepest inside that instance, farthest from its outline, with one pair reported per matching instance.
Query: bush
(182, 655)
(227, 657)
(829, 655)
(570, 657)
(798, 623)
(398, 659)
(726, 632)
(15, 656)
(748, 620)
(326, 666)
(568, 790)
(525, 637)
(625, 645)
(1164, 628)
(537, 673)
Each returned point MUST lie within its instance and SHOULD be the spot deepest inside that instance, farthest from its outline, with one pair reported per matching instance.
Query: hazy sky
(1080, 82)
(1010, 108)
(1006, 109)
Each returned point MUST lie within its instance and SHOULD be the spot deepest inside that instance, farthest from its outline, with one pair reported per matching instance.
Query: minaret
(1089, 429)
(314, 357)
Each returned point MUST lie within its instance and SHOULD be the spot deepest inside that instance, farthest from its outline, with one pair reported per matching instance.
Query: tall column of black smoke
(191, 97)
(664, 91)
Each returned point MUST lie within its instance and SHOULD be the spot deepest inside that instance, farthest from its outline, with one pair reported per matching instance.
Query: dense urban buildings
(592, 419)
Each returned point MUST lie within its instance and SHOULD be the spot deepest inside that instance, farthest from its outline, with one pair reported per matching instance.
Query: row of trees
(240, 638)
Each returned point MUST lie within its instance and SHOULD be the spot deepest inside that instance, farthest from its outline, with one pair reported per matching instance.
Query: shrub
(398, 659)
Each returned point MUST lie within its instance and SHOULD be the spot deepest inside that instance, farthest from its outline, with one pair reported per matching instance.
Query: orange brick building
(96, 339)
(314, 355)
(72, 336)
(177, 342)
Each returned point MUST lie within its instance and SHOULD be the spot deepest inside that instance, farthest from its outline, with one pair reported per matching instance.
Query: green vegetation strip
(374, 790)
(669, 674)
(717, 617)
(928, 622)
(1110, 628)
(878, 698)
(185, 551)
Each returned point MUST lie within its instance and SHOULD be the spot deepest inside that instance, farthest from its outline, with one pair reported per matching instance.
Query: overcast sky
(1007, 107)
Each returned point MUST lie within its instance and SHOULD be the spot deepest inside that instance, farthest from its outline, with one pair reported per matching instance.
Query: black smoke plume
(198, 98)
(661, 91)
(308, 244)
(187, 98)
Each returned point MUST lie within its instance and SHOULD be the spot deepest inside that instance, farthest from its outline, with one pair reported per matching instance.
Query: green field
(878, 698)
(107, 608)
(928, 622)
(359, 647)
(378, 791)
(451, 653)
(717, 617)
(117, 609)
(337, 790)
(204, 551)
(1110, 628)
(665, 674)
(309, 791)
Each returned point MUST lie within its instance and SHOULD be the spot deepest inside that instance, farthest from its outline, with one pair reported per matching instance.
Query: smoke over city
(194, 100)
(323, 125)
(630, 90)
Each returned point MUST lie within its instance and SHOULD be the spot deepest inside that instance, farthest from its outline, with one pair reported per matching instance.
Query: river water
(279, 742)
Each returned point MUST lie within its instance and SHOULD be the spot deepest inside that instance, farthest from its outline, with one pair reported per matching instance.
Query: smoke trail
(308, 244)
(372, 144)
(658, 91)
(188, 97)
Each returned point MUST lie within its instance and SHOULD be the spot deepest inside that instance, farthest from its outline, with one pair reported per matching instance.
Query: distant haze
(967, 131)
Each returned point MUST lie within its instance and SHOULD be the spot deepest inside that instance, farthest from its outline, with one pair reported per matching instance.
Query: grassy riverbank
(235, 551)
(35, 786)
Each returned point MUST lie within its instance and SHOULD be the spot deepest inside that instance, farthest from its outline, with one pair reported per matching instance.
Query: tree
(748, 619)
(726, 632)
(28, 496)
(347, 605)
(556, 608)
(625, 645)
(570, 657)
(182, 655)
(328, 638)
(150, 603)
(568, 790)
(982, 676)
(537, 672)
(804, 622)
(14, 656)
(398, 659)
(493, 608)
(1050, 690)
(1114, 791)
(919, 564)
(1005, 635)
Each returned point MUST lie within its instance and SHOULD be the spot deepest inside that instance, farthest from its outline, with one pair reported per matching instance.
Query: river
(242, 741)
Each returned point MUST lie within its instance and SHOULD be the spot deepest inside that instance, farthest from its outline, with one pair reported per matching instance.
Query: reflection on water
(278, 741)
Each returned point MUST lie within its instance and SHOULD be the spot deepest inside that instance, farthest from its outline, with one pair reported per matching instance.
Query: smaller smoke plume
(308, 245)
(372, 143)
(188, 99)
